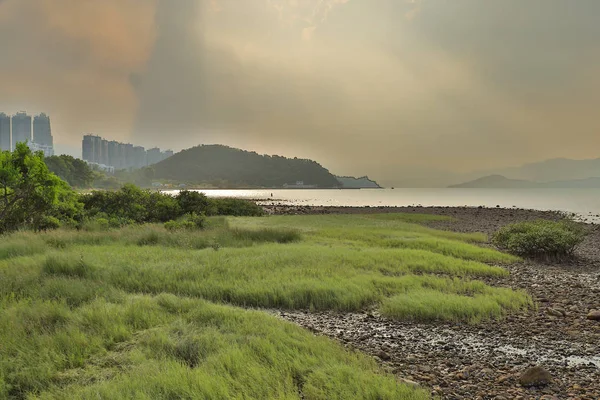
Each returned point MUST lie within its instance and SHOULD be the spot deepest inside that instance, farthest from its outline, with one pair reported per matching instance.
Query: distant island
(554, 170)
(227, 167)
(350, 182)
(501, 182)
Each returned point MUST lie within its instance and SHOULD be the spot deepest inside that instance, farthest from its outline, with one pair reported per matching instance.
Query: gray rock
(594, 315)
(383, 355)
(536, 376)
(554, 312)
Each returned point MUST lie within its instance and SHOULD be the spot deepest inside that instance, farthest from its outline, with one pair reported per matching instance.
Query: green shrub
(197, 220)
(133, 204)
(48, 223)
(172, 226)
(190, 222)
(193, 202)
(98, 224)
(540, 239)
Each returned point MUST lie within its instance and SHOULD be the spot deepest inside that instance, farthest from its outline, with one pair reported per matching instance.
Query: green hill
(224, 166)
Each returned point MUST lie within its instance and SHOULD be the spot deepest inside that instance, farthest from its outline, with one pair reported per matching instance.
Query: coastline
(484, 361)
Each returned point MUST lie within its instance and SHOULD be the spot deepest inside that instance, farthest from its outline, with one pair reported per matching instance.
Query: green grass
(169, 347)
(269, 276)
(218, 233)
(141, 312)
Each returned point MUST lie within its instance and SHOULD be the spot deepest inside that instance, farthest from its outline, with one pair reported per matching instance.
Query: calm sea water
(583, 202)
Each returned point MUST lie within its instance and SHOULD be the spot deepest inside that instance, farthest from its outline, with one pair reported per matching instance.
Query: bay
(585, 203)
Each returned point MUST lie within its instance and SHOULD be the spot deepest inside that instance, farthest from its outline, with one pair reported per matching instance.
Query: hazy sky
(389, 88)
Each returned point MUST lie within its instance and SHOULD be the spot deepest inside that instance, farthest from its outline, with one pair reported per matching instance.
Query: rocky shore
(492, 360)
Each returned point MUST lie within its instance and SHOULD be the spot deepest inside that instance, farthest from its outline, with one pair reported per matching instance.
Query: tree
(30, 195)
(76, 172)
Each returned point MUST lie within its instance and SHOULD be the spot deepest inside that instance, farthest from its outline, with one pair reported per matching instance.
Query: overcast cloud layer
(389, 88)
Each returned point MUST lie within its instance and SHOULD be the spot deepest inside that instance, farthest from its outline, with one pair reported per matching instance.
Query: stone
(594, 315)
(554, 312)
(408, 382)
(383, 355)
(535, 376)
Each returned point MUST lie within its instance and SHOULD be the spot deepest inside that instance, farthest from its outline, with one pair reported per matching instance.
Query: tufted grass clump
(547, 240)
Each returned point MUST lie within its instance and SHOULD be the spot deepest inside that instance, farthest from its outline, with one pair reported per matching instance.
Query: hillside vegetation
(224, 166)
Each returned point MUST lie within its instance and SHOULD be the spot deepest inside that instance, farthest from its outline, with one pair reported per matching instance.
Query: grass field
(143, 313)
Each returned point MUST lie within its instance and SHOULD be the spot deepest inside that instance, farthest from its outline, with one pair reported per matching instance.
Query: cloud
(72, 59)
(361, 86)
(414, 9)
(308, 32)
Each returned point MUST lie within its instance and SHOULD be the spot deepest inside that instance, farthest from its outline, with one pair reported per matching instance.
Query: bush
(190, 221)
(235, 207)
(48, 223)
(172, 226)
(133, 204)
(193, 202)
(98, 224)
(540, 239)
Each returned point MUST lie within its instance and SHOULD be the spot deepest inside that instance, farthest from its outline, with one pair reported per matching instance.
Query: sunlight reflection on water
(583, 202)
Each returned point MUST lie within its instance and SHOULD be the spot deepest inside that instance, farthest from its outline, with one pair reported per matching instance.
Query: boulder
(383, 355)
(554, 312)
(535, 376)
(594, 315)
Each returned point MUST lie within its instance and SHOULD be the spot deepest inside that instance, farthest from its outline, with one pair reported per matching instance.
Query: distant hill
(224, 166)
(553, 170)
(499, 181)
(350, 182)
(495, 181)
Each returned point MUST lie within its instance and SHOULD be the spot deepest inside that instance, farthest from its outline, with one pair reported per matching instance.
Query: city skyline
(117, 155)
(36, 131)
(21, 127)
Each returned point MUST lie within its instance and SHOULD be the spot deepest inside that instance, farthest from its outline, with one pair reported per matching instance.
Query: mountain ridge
(502, 182)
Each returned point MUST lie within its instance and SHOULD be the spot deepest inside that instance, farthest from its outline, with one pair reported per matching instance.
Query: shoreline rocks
(488, 360)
